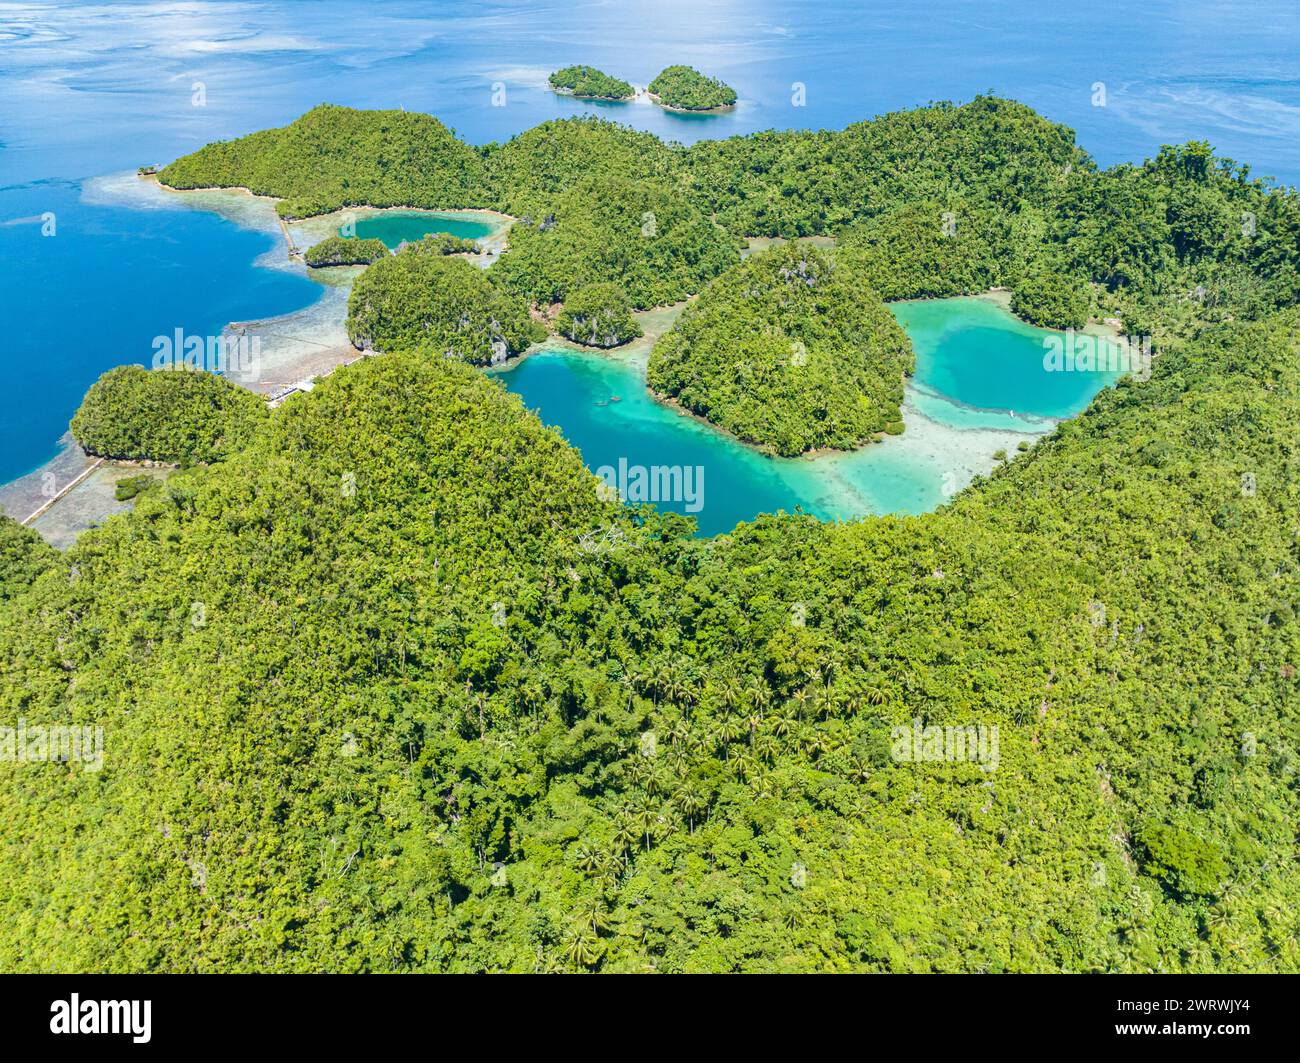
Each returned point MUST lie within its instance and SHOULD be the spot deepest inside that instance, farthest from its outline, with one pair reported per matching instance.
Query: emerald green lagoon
(978, 354)
(396, 226)
(980, 387)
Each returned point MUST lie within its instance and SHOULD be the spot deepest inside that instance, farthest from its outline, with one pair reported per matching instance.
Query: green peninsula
(790, 351)
(335, 157)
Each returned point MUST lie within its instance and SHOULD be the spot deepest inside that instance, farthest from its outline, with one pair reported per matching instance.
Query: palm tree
(817, 743)
(640, 770)
(625, 830)
(656, 681)
(827, 704)
(729, 729)
(611, 866)
(800, 699)
(646, 818)
(767, 748)
(674, 685)
(730, 693)
(860, 769)
(594, 918)
(742, 765)
(691, 804)
(583, 949)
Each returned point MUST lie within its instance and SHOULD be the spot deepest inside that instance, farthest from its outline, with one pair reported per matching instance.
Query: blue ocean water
(87, 287)
(93, 90)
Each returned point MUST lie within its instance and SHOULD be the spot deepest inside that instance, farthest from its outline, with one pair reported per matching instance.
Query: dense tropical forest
(335, 157)
(590, 83)
(792, 351)
(443, 706)
(438, 303)
(685, 89)
(638, 233)
(345, 251)
(175, 415)
(598, 315)
(441, 244)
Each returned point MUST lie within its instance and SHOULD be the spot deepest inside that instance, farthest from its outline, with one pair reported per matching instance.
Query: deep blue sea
(92, 90)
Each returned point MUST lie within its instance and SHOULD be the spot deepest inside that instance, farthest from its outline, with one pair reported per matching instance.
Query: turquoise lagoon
(980, 387)
(394, 227)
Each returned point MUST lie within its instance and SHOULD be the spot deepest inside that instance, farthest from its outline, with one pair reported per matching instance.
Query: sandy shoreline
(720, 109)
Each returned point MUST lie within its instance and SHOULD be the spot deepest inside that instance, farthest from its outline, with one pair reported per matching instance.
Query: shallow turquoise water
(600, 404)
(393, 227)
(975, 364)
(973, 352)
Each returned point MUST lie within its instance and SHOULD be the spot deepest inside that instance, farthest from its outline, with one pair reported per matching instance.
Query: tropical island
(447, 706)
(790, 351)
(345, 251)
(586, 82)
(683, 88)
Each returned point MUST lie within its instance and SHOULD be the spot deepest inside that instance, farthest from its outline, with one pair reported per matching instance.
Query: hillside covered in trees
(791, 351)
(335, 157)
(171, 415)
(450, 709)
(425, 300)
(590, 83)
(685, 89)
(639, 234)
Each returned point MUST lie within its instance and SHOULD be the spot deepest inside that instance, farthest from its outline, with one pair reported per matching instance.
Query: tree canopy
(641, 235)
(335, 157)
(532, 170)
(341, 251)
(23, 556)
(439, 304)
(597, 315)
(791, 351)
(170, 415)
(589, 82)
(686, 89)
(394, 687)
